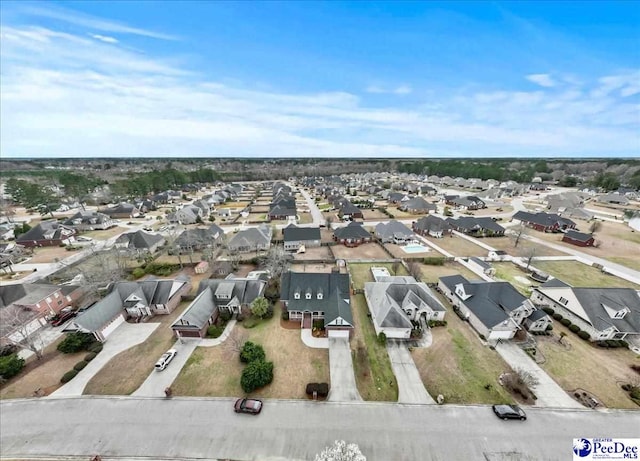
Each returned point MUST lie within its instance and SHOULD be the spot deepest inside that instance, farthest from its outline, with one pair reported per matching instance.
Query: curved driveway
(293, 430)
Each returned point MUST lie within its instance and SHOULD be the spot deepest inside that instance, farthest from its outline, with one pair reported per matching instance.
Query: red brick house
(352, 235)
(578, 238)
(47, 234)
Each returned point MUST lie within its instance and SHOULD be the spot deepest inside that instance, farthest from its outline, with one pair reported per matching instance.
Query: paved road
(549, 393)
(343, 381)
(316, 214)
(410, 386)
(125, 336)
(293, 430)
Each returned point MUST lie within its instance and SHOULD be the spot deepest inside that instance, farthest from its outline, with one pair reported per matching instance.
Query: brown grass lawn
(49, 254)
(618, 243)
(458, 366)
(241, 205)
(398, 252)
(373, 215)
(165, 258)
(258, 217)
(403, 214)
(305, 218)
(371, 364)
(508, 271)
(124, 373)
(216, 371)
(492, 210)
(597, 370)
(105, 234)
(524, 247)
(431, 274)
(580, 275)
(458, 246)
(41, 374)
(365, 251)
(314, 253)
(361, 272)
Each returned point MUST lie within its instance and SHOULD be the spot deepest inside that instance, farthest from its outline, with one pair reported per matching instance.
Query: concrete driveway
(125, 336)
(343, 380)
(410, 386)
(158, 381)
(549, 393)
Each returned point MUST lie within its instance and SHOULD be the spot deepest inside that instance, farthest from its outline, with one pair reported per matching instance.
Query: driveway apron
(343, 380)
(410, 386)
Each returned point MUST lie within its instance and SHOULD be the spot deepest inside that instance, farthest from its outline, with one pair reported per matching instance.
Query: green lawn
(580, 275)
(371, 364)
(361, 272)
(508, 271)
(431, 274)
(459, 367)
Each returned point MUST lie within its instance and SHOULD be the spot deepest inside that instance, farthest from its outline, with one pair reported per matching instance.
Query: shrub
(75, 342)
(285, 315)
(549, 327)
(256, 375)
(225, 316)
(251, 322)
(137, 272)
(68, 376)
(162, 269)
(90, 356)
(251, 352)
(635, 393)
(565, 322)
(96, 347)
(613, 343)
(556, 316)
(80, 365)
(318, 324)
(437, 323)
(8, 349)
(574, 328)
(382, 338)
(584, 335)
(323, 389)
(482, 337)
(626, 387)
(259, 306)
(433, 261)
(602, 344)
(269, 313)
(214, 331)
(548, 310)
(10, 365)
(635, 368)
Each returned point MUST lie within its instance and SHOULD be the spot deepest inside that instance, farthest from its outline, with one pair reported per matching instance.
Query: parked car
(509, 412)
(163, 361)
(251, 406)
(62, 317)
(84, 239)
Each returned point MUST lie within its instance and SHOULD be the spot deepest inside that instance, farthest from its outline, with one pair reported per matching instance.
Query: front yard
(580, 275)
(49, 255)
(124, 373)
(371, 364)
(215, 371)
(458, 246)
(104, 234)
(459, 367)
(597, 370)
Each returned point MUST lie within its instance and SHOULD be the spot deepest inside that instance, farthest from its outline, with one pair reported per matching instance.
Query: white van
(167, 357)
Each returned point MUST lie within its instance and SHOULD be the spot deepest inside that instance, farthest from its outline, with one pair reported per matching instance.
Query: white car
(167, 357)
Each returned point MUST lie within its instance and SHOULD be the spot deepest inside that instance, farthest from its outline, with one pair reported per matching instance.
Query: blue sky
(298, 79)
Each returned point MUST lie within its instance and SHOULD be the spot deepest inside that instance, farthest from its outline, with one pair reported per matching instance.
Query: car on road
(251, 406)
(163, 361)
(62, 317)
(509, 412)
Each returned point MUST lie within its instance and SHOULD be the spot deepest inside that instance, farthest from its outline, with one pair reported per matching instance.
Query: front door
(307, 321)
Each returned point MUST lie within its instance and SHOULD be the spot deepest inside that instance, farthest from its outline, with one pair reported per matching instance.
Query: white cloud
(90, 22)
(104, 38)
(544, 80)
(65, 94)
(400, 90)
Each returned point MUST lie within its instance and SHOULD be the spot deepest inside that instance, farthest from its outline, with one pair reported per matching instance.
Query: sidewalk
(309, 340)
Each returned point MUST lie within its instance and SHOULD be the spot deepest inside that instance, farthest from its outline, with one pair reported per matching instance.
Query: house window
(563, 301)
(49, 300)
(319, 295)
(60, 303)
(308, 296)
(620, 314)
(296, 296)
(56, 295)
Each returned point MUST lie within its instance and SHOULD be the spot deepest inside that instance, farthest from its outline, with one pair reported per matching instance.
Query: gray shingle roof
(392, 229)
(432, 223)
(100, 313)
(139, 240)
(353, 230)
(293, 233)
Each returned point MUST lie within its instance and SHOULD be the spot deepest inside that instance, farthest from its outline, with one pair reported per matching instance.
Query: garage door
(504, 334)
(112, 326)
(189, 334)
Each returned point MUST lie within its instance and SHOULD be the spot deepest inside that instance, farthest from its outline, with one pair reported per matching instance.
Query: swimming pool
(415, 248)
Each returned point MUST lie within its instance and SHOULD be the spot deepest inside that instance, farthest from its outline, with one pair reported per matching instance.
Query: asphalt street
(192, 428)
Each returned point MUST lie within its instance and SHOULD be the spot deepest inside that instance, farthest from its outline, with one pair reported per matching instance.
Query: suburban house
(297, 237)
(476, 227)
(394, 232)
(544, 222)
(431, 226)
(470, 202)
(494, 309)
(347, 210)
(352, 235)
(139, 242)
(396, 302)
(145, 205)
(188, 214)
(604, 313)
(614, 198)
(397, 197)
(283, 204)
(89, 220)
(47, 234)
(254, 239)
(578, 238)
(481, 266)
(122, 211)
(324, 297)
(199, 239)
(417, 205)
(25, 307)
(133, 299)
(214, 296)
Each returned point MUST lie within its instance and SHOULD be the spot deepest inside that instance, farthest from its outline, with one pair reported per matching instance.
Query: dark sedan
(509, 412)
(62, 317)
(251, 406)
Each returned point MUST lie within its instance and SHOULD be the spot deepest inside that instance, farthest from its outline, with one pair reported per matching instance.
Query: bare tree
(530, 254)
(517, 234)
(22, 329)
(276, 261)
(341, 451)
(415, 270)
(394, 267)
(595, 226)
(526, 378)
